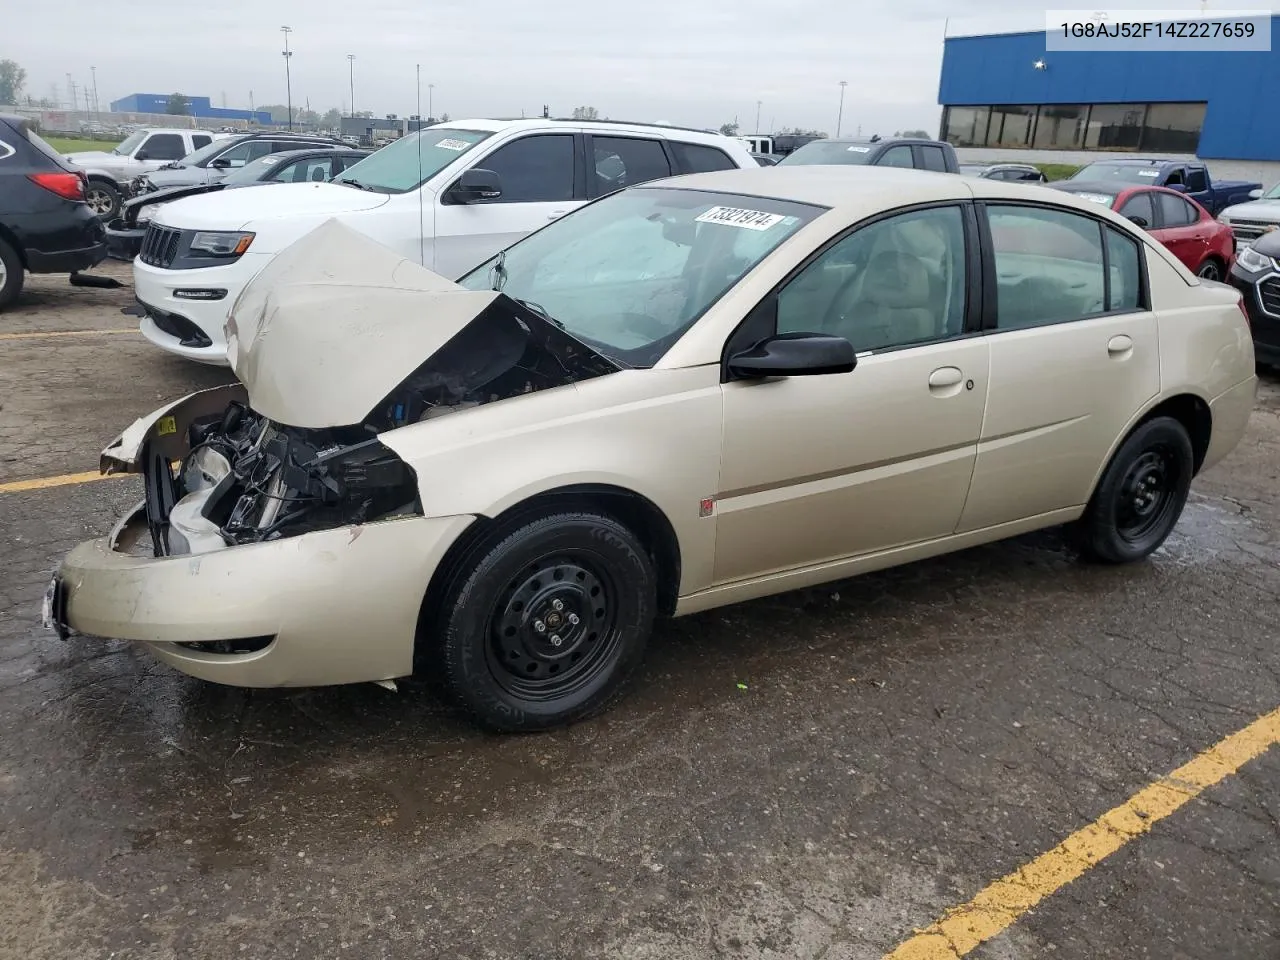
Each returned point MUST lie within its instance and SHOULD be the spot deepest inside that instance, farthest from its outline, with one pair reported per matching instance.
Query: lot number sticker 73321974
(737, 217)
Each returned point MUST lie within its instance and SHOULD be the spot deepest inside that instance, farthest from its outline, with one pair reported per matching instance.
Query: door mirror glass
(1140, 221)
(795, 355)
(477, 184)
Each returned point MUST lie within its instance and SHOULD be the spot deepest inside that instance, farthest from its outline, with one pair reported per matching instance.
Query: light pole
(351, 75)
(840, 115)
(431, 115)
(94, 73)
(759, 104)
(288, 82)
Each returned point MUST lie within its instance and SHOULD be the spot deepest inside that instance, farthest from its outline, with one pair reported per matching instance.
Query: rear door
(615, 162)
(1179, 228)
(1074, 355)
(540, 183)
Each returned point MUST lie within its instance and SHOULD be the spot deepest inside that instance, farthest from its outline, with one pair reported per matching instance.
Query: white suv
(449, 200)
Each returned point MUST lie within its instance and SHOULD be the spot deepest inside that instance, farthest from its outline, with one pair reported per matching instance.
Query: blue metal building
(1007, 91)
(196, 107)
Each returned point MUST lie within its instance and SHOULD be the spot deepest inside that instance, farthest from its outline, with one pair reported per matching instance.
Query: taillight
(69, 186)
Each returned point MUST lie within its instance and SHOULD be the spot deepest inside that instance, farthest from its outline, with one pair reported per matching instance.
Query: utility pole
(288, 82)
(759, 104)
(93, 72)
(351, 77)
(71, 92)
(840, 115)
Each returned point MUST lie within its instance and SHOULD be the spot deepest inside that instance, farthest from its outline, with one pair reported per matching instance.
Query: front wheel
(103, 199)
(1141, 494)
(11, 274)
(545, 628)
(1210, 270)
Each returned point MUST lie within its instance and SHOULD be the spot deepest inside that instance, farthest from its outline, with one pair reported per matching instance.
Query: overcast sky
(693, 62)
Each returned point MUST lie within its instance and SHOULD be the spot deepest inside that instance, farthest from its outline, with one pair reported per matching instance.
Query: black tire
(12, 274)
(103, 199)
(1211, 269)
(512, 676)
(1141, 494)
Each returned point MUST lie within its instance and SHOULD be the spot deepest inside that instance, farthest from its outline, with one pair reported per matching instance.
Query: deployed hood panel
(335, 321)
(234, 209)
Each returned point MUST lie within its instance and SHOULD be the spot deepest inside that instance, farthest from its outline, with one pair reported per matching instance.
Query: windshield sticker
(1148, 173)
(859, 149)
(735, 217)
(453, 144)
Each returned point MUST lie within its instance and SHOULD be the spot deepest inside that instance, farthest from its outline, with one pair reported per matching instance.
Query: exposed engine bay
(246, 479)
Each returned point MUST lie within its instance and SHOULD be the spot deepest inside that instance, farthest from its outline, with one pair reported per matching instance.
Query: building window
(1115, 126)
(1011, 126)
(1155, 127)
(1173, 127)
(966, 126)
(1060, 126)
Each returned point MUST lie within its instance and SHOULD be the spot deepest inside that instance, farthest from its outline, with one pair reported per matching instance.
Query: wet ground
(809, 776)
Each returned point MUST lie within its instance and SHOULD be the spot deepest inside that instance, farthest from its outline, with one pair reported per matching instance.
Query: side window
(164, 146)
(311, 170)
(695, 158)
(242, 153)
(534, 169)
(1126, 277)
(1197, 180)
(934, 159)
(1048, 266)
(1175, 178)
(1139, 205)
(199, 140)
(899, 156)
(1176, 211)
(623, 162)
(889, 284)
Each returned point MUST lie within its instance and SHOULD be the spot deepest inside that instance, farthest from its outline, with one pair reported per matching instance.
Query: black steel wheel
(548, 623)
(1210, 270)
(11, 274)
(1141, 494)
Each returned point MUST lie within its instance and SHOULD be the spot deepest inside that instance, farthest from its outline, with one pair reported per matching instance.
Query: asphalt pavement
(816, 775)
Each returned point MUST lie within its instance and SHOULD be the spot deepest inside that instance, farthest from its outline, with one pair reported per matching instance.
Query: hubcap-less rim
(1209, 271)
(553, 630)
(98, 201)
(4, 274)
(1147, 495)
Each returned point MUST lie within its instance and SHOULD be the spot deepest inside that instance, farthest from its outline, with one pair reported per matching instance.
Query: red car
(1190, 232)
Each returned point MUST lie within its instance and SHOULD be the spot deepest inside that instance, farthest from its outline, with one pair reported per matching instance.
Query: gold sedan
(687, 394)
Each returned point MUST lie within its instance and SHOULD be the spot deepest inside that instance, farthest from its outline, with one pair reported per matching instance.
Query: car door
(1074, 355)
(1179, 228)
(930, 158)
(1140, 208)
(1198, 186)
(899, 156)
(618, 162)
(159, 149)
(540, 183)
(819, 468)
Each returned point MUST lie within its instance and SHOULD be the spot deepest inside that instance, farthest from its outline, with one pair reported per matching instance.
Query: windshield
(629, 274)
(254, 170)
(197, 157)
(1124, 172)
(1273, 193)
(130, 144)
(401, 166)
(829, 151)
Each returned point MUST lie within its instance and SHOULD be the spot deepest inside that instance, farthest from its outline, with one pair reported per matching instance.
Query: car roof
(491, 125)
(314, 152)
(857, 191)
(1139, 161)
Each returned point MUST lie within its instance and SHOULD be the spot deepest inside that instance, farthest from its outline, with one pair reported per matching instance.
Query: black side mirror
(1180, 187)
(1140, 221)
(140, 155)
(220, 163)
(795, 355)
(477, 184)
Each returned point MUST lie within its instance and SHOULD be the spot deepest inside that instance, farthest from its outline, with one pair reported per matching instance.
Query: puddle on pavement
(1213, 530)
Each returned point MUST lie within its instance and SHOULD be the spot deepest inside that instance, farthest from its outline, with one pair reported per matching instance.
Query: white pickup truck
(448, 198)
(144, 150)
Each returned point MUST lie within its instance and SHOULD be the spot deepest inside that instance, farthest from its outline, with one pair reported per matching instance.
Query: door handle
(1120, 346)
(946, 381)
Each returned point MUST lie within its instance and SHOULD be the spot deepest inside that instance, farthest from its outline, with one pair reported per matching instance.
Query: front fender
(166, 428)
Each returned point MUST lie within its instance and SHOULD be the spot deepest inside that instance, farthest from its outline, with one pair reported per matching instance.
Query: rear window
(43, 147)
(696, 158)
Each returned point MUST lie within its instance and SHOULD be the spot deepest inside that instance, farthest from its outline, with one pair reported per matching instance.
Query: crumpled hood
(235, 209)
(183, 176)
(335, 321)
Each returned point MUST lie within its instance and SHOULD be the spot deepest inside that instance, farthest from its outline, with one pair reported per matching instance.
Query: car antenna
(422, 238)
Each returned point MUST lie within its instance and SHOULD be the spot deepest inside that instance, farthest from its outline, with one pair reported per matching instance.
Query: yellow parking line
(64, 333)
(43, 483)
(962, 929)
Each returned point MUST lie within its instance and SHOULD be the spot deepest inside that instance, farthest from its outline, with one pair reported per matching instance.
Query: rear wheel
(103, 199)
(1141, 495)
(1211, 269)
(545, 628)
(11, 274)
